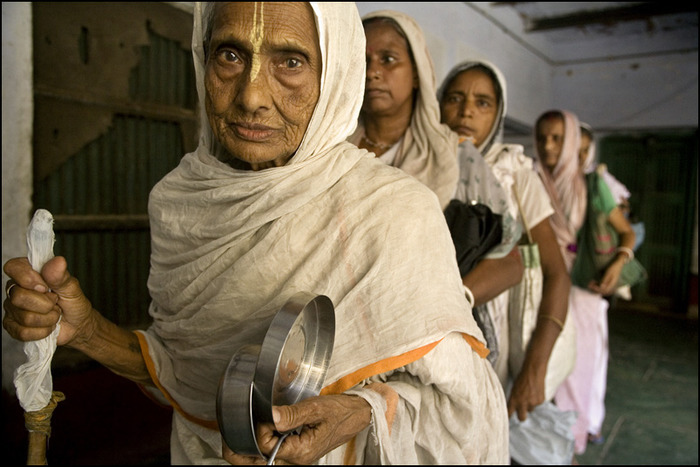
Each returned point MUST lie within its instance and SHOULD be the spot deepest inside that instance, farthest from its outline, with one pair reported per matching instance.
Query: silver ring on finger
(8, 288)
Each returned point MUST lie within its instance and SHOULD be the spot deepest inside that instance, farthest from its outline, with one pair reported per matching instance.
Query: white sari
(230, 247)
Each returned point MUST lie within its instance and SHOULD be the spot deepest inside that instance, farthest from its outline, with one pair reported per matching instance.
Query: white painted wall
(17, 110)
(654, 93)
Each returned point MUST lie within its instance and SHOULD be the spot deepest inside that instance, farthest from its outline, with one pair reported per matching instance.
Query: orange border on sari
(337, 387)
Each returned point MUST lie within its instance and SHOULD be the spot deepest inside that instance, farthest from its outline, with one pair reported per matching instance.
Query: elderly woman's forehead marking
(256, 39)
(251, 19)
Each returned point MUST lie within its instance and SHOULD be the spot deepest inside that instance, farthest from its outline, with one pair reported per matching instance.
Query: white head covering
(428, 150)
(496, 133)
(617, 188)
(566, 187)
(476, 165)
(591, 161)
(229, 247)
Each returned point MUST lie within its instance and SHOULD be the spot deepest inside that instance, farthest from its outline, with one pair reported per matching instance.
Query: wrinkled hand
(609, 281)
(526, 394)
(38, 300)
(240, 459)
(327, 422)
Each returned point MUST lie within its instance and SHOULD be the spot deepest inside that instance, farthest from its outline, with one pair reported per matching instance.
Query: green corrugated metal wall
(99, 195)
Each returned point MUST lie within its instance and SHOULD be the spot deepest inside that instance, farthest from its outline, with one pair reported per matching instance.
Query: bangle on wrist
(556, 321)
(627, 251)
(470, 296)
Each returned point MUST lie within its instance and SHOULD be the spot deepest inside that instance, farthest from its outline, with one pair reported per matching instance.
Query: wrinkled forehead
(277, 22)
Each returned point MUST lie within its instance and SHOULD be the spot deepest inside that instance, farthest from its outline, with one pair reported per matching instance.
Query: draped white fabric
(439, 420)
(428, 149)
(496, 133)
(617, 188)
(229, 247)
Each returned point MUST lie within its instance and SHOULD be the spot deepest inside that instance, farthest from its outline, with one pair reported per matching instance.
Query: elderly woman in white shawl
(274, 201)
(473, 102)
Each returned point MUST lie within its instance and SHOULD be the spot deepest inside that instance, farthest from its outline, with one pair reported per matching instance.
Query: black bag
(475, 229)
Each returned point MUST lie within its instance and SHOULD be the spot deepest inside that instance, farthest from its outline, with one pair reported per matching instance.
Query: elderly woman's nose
(254, 92)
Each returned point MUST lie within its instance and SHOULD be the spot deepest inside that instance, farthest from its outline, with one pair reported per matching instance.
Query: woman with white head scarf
(400, 123)
(402, 109)
(415, 141)
(272, 203)
(321, 223)
(473, 102)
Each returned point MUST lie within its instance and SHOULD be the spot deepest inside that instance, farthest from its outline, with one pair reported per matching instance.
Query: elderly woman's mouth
(252, 131)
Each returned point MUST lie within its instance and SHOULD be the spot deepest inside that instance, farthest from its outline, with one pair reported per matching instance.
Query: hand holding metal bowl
(289, 366)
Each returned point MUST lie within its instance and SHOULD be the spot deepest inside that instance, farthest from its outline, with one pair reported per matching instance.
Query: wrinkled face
(550, 140)
(469, 105)
(262, 79)
(391, 78)
(583, 152)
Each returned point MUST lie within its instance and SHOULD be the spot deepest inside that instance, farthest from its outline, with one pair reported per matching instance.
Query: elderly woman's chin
(242, 154)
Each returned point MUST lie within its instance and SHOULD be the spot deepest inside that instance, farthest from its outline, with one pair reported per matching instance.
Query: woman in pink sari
(558, 140)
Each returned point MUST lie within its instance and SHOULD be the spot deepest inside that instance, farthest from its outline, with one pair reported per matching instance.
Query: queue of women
(314, 175)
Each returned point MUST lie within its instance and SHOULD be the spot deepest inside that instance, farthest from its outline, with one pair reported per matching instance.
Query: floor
(652, 405)
(652, 393)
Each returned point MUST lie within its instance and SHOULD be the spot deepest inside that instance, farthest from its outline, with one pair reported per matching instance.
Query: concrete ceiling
(564, 33)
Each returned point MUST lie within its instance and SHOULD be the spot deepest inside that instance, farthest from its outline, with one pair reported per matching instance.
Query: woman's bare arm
(37, 301)
(627, 238)
(491, 277)
(529, 386)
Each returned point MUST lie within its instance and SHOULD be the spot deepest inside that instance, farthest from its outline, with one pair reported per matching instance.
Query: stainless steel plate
(234, 401)
(290, 365)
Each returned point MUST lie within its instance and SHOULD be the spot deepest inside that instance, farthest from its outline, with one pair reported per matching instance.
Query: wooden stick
(38, 423)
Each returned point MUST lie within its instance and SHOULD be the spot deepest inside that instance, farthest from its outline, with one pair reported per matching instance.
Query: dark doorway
(660, 171)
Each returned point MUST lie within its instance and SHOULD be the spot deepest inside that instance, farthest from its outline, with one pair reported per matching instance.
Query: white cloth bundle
(544, 438)
(33, 378)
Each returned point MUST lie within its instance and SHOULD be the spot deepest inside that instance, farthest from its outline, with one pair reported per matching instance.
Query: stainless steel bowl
(290, 365)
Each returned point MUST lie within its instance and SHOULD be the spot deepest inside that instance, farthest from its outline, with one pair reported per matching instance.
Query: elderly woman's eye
(292, 63)
(228, 55)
